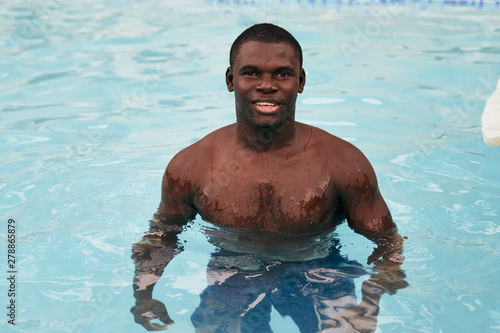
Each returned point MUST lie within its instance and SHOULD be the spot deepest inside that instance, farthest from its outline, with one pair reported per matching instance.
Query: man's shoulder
(206, 143)
(198, 152)
(341, 154)
(329, 142)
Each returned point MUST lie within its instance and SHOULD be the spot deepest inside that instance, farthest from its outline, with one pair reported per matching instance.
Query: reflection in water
(243, 289)
(300, 276)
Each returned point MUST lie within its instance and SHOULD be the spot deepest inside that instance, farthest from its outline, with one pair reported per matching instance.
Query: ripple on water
(477, 218)
(12, 199)
(322, 100)
(22, 139)
(372, 101)
(77, 294)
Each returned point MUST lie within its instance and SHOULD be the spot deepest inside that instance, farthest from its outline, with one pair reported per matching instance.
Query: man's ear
(229, 79)
(302, 80)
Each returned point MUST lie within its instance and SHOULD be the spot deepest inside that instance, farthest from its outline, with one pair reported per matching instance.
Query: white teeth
(265, 104)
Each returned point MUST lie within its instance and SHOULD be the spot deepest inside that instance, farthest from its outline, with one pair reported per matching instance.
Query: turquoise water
(97, 96)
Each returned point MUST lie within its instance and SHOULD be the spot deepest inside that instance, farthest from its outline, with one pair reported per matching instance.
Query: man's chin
(270, 120)
(271, 123)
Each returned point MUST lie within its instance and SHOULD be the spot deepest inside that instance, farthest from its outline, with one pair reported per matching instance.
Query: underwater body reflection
(251, 272)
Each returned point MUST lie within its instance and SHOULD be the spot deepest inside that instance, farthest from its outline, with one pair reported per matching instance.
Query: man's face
(266, 79)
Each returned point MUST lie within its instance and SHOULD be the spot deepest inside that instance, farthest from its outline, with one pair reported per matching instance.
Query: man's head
(265, 75)
(265, 33)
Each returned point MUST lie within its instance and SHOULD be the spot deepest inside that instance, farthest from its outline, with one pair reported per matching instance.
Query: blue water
(97, 96)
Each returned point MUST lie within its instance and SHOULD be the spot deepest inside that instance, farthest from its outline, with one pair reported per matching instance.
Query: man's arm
(160, 245)
(363, 205)
(368, 214)
(151, 255)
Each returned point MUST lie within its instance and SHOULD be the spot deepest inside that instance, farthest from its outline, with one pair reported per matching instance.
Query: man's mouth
(266, 107)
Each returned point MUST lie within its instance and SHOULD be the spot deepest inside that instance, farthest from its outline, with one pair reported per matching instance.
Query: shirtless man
(267, 172)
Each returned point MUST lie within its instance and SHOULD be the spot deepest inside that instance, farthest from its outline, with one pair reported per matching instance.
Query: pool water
(97, 96)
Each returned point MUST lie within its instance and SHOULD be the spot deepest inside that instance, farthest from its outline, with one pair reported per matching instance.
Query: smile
(266, 107)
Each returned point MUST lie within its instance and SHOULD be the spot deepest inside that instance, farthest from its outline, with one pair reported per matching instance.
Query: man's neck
(266, 138)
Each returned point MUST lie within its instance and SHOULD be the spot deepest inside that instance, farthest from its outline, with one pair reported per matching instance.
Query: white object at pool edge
(490, 120)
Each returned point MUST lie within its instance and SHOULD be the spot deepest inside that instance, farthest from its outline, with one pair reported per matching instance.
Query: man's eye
(283, 74)
(250, 73)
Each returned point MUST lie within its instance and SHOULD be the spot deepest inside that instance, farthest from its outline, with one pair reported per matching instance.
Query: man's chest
(287, 198)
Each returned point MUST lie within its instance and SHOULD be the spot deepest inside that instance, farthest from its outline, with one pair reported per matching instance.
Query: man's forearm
(387, 258)
(152, 254)
(387, 277)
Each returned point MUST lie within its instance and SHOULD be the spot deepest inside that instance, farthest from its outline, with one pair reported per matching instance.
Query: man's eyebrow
(248, 68)
(286, 69)
(254, 68)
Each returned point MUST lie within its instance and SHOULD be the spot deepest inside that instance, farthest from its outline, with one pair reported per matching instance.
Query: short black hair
(266, 33)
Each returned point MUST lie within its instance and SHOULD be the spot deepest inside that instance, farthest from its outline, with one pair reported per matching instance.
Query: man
(269, 173)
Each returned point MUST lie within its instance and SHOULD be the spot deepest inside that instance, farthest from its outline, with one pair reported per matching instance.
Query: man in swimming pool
(267, 172)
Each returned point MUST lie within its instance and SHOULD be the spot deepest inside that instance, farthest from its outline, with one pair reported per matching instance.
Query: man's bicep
(364, 206)
(377, 217)
(176, 192)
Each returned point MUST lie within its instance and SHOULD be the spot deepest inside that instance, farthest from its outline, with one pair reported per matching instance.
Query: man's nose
(266, 84)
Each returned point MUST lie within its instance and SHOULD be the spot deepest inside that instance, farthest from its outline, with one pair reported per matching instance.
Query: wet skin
(267, 171)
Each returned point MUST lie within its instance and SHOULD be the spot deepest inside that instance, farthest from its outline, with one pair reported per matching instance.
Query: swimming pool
(97, 96)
